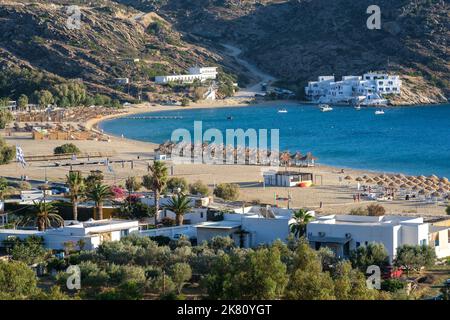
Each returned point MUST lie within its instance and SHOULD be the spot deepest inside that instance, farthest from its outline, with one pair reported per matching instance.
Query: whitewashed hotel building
(366, 90)
(195, 73)
(344, 233)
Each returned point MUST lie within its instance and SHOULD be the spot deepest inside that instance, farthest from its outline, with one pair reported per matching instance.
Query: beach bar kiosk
(288, 179)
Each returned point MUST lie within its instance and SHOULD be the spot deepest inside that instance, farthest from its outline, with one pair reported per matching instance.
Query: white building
(195, 73)
(93, 233)
(366, 90)
(344, 233)
(249, 226)
(287, 178)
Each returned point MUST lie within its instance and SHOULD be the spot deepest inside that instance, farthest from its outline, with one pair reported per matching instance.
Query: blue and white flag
(20, 157)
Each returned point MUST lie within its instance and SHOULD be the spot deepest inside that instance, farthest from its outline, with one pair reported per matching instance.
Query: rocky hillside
(300, 39)
(293, 40)
(38, 49)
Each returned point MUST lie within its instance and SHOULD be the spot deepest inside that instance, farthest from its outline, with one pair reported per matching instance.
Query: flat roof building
(344, 233)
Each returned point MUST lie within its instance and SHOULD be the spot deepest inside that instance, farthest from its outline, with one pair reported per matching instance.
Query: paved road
(254, 88)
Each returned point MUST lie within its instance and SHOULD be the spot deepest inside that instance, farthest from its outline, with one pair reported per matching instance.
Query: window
(201, 215)
(423, 242)
(358, 244)
(366, 243)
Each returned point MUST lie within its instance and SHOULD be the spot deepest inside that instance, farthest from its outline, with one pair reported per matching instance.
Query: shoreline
(331, 190)
(147, 108)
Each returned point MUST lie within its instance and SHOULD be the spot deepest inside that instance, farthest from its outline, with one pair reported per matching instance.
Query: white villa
(249, 226)
(195, 73)
(344, 233)
(366, 90)
(93, 233)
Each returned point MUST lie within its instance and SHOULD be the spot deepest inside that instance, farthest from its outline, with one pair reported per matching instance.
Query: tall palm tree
(302, 218)
(99, 193)
(156, 181)
(43, 216)
(76, 185)
(179, 204)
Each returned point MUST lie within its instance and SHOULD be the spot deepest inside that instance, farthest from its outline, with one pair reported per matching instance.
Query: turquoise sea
(410, 140)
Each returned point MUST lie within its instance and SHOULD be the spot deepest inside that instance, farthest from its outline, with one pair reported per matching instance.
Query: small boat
(325, 108)
(378, 112)
(230, 118)
(282, 111)
(358, 108)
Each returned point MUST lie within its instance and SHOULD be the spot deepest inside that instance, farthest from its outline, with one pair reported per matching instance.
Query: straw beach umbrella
(434, 177)
(369, 180)
(359, 179)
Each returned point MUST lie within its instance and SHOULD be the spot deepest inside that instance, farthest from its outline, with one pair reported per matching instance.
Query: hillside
(37, 49)
(298, 40)
(295, 41)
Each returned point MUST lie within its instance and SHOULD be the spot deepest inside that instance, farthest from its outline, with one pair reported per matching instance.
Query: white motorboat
(282, 111)
(379, 112)
(325, 108)
(358, 108)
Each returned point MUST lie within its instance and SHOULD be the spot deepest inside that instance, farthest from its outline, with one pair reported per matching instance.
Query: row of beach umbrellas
(286, 157)
(432, 185)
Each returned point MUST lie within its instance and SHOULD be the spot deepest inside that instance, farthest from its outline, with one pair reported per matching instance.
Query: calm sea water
(411, 140)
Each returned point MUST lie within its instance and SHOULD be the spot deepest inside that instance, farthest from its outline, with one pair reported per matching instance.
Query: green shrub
(376, 210)
(174, 183)
(67, 148)
(227, 191)
(7, 153)
(359, 212)
(198, 188)
(392, 285)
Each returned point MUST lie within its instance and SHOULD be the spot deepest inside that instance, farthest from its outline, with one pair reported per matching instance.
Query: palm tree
(99, 193)
(44, 216)
(302, 218)
(156, 181)
(76, 185)
(179, 204)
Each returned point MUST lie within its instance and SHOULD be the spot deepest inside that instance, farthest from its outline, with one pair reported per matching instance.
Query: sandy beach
(335, 194)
